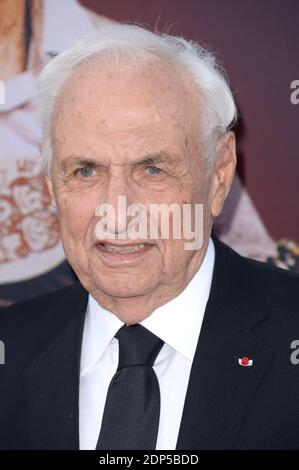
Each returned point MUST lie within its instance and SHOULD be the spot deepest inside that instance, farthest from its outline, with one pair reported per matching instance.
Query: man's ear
(223, 171)
(50, 189)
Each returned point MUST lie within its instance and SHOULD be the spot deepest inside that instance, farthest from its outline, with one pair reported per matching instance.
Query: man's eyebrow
(149, 159)
(152, 159)
(72, 160)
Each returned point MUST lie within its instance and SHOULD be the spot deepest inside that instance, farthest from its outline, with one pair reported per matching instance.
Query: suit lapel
(220, 390)
(52, 382)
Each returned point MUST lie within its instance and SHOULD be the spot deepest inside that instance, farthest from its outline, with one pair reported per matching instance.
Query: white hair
(218, 108)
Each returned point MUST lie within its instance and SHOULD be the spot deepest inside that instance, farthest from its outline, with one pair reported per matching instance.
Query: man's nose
(119, 197)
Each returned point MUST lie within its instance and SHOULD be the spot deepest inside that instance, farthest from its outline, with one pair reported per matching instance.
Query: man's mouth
(111, 248)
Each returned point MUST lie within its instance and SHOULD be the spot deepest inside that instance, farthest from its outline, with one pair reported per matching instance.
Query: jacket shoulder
(279, 287)
(45, 310)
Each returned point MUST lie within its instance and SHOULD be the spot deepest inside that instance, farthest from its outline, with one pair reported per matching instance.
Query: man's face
(133, 135)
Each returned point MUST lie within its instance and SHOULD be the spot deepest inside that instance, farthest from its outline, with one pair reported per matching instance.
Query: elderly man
(159, 346)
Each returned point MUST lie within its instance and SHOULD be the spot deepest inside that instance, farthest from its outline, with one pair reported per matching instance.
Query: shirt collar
(100, 328)
(178, 322)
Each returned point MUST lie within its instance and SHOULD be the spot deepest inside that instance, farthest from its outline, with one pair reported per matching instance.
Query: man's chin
(124, 286)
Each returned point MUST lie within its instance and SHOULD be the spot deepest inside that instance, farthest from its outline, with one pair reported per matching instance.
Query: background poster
(258, 45)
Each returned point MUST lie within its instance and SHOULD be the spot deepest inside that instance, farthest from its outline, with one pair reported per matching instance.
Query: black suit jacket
(253, 310)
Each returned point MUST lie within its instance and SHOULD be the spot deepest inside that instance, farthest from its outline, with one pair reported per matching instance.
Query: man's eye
(153, 170)
(86, 172)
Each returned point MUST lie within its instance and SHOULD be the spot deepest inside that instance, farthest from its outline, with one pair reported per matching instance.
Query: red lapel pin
(245, 361)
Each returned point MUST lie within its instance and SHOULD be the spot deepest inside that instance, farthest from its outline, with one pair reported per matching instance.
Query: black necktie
(132, 408)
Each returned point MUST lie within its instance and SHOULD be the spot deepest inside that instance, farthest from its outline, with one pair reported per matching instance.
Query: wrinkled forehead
(128, 94)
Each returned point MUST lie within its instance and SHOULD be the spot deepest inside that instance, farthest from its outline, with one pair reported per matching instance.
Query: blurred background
(257, 42)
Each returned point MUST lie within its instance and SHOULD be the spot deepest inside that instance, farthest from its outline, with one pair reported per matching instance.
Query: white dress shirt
(177, 323)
